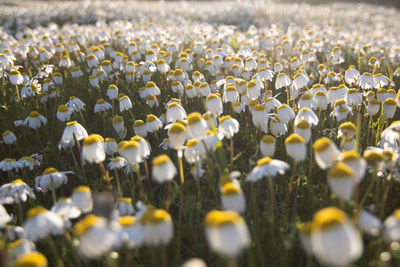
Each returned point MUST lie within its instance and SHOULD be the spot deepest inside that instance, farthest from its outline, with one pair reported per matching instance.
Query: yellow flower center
(230, 189)
(161, 159)
(221, 218)
(31, 259)
(49, 170)
(263, 161)
(321, 144)
(327, 218)
(35, 211)
(92, 139)
(84, 224)
(294, 139)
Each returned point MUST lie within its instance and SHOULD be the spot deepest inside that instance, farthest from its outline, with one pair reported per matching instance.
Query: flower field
(199, 134)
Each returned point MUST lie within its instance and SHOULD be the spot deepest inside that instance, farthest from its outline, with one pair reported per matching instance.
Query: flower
(320, 100)
(8, 164)
(341, 181)
(163, 169)
(72, 131)
(110, 146)
(4, 217)
(368, 222)
(96, 238)
(285, 113)
(325, 152)
(347, 129)
(15, 77)
(175, 112)
(267, 167)
(20, 247)
(82, 198)
(153, 123)
(41, 223)
(197, 126)
(32, 259)
(63, 113)
(130, 150)
(15, 192)
(112, 92)
(389, 108)
(117, 163)
(9, 137)
(334, 239)
(118, 124)
(124, 103)
(228, 126)
(373, 107)
(226, 233)
(51, 179)
(130, 233)
(194, 150)
(124, 206)
(307, 115)
(35, 120)
(366, 81)
(296, 147)
(157, 226)
(351, 75)
(267, 145)
(392, 226)
(177, 135)
(140, 128)
(260, 117)
(66, 209)
(356, 163)
(101, 105)
(232, 198)
(214, 104)
(282, 80)
(75, 104)
(93, 149)
(277, 127)
(303, 128)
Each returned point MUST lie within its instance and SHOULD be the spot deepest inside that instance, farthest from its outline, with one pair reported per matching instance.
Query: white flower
(124, 103)
(51, 179)
(228, 126)
(369, 223)
(214, 104)
(41, 223)
(158, 227)
(73, 130)
(35, 120)
(282, 80)
(96, 238)
(267, 146)
(325, 152)
(232, 198)
(117, 163)
(267, 167)
(307, 115)
(296, 147)
(15, 192)
(15, 77)
(392, 226)
(75, 104)
(226, 233)
(351, 75)
(130, 233)
(4, 217)
(175, 112)
(124, 206)
(101, 105)
(334, 239)
(63, 113)
(366, 81)
(93, 149)
(8, 164)
(9, 137)
(341, 181)
(163, 170)
(66, 209)
(285, 113)
(82, 198)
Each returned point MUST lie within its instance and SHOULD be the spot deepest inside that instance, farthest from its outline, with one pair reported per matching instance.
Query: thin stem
(231, 155)
(137, 167)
